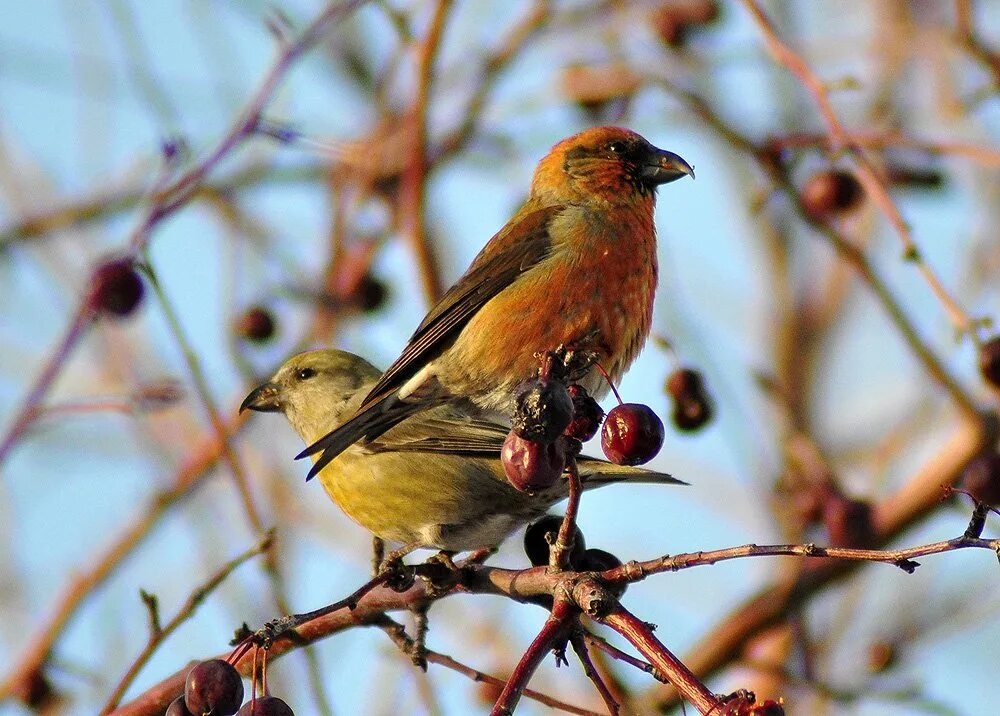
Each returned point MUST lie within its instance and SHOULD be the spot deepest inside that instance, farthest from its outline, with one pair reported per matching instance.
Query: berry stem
(559, 554)
(610, 382)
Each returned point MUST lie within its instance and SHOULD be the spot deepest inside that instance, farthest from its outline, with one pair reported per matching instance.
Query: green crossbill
(434, 479)
(575, 267)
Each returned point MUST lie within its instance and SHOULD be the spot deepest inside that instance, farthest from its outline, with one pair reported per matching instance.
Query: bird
(575, 268)
(434, 480)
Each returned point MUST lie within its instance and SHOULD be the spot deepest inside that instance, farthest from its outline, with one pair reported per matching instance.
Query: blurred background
(845, 390)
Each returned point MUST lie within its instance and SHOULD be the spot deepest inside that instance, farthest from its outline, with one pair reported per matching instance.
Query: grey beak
(663, 167)
(263, 399)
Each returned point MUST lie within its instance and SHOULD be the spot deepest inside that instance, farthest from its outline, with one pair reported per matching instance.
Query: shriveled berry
(177, 708)
(531, 466)
(213, 688)
(587, 414)
(543, 409)
(848, 521)
(266, 706)
(632, 434)
(116, 288)
(982, 478)
(692, 404)
(537, 543)
(256, 324)
(989, 361)
(831, 192)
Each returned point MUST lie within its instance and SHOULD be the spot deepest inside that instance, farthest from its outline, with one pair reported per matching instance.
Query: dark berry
(531, 466)
(542, 533)
(369, 294)
(177, 708)
(543, 409)
(632, 434)
(848, 521)
(587, 415)
(266, 706)
(256, 324)
(831, 192)
(116, 288)
(692, 404)
(982, 478)
(989, 361)
(213, 688)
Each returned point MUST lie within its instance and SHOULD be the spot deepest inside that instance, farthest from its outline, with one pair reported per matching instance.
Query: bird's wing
(521, 244)
(467, 436)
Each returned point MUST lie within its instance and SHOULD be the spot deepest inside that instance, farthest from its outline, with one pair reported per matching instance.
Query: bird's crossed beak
(663, 167)
(263, 399)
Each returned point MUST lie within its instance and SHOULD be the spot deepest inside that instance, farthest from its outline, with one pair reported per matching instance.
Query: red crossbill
(575, 267)
(434, 480)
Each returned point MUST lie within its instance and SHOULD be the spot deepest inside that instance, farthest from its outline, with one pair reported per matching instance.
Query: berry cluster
(551, 420)
(215, 688)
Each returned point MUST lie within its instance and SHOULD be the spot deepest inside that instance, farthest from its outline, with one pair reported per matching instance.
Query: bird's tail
(368, 424)
(598, 473)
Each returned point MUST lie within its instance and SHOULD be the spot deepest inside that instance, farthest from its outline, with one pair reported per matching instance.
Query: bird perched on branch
(435, 480)
(574, 268)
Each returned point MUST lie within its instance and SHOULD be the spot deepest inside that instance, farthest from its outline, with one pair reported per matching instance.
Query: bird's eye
(305, 373)
(617, 147)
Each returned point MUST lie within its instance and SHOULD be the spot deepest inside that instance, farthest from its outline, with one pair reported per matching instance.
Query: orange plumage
(575, 266)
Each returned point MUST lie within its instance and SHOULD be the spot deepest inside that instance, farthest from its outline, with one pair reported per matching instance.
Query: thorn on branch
(907, 565)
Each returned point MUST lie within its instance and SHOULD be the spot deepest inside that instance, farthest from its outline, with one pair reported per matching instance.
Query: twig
(840, 140)
(580, 647)
(559, 554)
(158, 636)
(620, 655)
(397, 633)
(194, 469)
(555, 629)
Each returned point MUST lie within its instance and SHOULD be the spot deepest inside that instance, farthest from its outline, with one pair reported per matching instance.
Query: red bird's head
(608, 163)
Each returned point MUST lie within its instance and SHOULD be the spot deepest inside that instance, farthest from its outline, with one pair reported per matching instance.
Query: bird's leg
(378, 553)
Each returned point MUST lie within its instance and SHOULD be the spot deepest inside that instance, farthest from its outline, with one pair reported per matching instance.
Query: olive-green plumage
(435, 479)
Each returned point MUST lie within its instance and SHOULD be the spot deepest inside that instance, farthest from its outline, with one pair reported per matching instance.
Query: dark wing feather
(515, 249)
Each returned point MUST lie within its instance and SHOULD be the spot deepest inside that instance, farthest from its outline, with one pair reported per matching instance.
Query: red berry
(632, 434)
(831, 192)
(989, 361)
(673, 20)
(542, 533)
(881, 656)
(542, 411)
(213, 688)
(848, 522)
(587, 415)
(116, 288)
(982, 478)
(266, 706)
(531, 466)
(177, 708)
(256, 324)
(692, 404)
